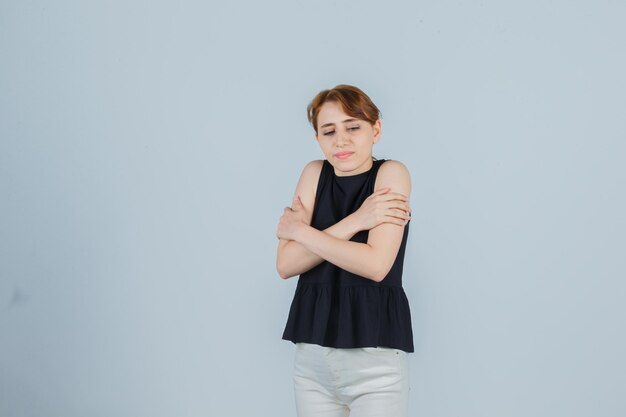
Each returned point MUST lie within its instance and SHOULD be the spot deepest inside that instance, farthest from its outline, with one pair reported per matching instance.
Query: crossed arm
(384, 214)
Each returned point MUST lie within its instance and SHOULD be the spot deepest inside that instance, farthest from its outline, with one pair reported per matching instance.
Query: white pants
(360, 382)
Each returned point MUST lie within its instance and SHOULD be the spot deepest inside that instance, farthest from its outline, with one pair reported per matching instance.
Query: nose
(342, 138)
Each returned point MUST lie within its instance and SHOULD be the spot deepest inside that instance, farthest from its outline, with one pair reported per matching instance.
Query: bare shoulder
(307, 185)
(395, 175)
(310, 174)
(313, 168)
(393, 167)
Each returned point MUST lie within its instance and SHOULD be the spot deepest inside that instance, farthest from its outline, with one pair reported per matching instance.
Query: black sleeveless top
(335, 308)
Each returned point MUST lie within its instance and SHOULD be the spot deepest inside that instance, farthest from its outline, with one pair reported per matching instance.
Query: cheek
(326, 146)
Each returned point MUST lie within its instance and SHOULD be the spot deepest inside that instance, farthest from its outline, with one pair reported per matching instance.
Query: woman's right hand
(383, 206)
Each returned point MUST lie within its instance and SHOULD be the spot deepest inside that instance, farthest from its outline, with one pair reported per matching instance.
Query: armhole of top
(376, 168)
(321, 180)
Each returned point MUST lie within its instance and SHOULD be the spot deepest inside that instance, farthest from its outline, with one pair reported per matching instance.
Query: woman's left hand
(292, 219)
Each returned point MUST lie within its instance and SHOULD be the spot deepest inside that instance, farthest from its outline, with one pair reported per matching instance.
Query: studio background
(147, 150)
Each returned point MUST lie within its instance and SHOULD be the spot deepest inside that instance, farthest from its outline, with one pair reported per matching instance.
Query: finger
(393, 196)
(380, 191)
(400, 204)
(405, 214)
(396, 205)
(398, 214)
(396, 221)
(297, 203)
(398, 196)
(403, 205)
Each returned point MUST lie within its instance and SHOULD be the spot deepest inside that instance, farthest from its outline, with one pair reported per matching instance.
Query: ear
(377, 127)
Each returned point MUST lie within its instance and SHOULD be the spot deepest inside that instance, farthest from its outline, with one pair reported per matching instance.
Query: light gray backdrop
(148, 148)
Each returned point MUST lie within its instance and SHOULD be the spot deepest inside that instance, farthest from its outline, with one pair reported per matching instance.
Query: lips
(343, 155)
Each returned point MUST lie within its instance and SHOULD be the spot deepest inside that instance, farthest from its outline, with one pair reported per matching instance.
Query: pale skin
(347, 144)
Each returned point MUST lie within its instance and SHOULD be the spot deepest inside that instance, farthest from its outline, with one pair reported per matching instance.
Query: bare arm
(293, 258)
(371, 260)
(383, 206)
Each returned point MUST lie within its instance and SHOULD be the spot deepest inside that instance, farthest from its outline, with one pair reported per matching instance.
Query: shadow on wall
(11, 298)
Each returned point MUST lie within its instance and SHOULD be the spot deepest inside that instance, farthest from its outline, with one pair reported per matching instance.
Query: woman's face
(345, 141)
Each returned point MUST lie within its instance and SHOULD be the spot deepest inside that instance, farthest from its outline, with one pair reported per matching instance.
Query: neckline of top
(364, 173)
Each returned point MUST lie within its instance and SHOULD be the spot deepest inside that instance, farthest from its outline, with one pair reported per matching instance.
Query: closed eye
(354, 128)
(330, 132)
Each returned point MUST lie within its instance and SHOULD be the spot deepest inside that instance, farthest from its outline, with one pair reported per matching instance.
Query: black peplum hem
(350, 316)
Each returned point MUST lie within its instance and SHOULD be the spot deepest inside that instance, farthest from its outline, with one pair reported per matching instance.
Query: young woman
(345, 235)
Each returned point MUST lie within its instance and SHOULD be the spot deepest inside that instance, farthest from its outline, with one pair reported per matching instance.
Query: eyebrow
(345, 121)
